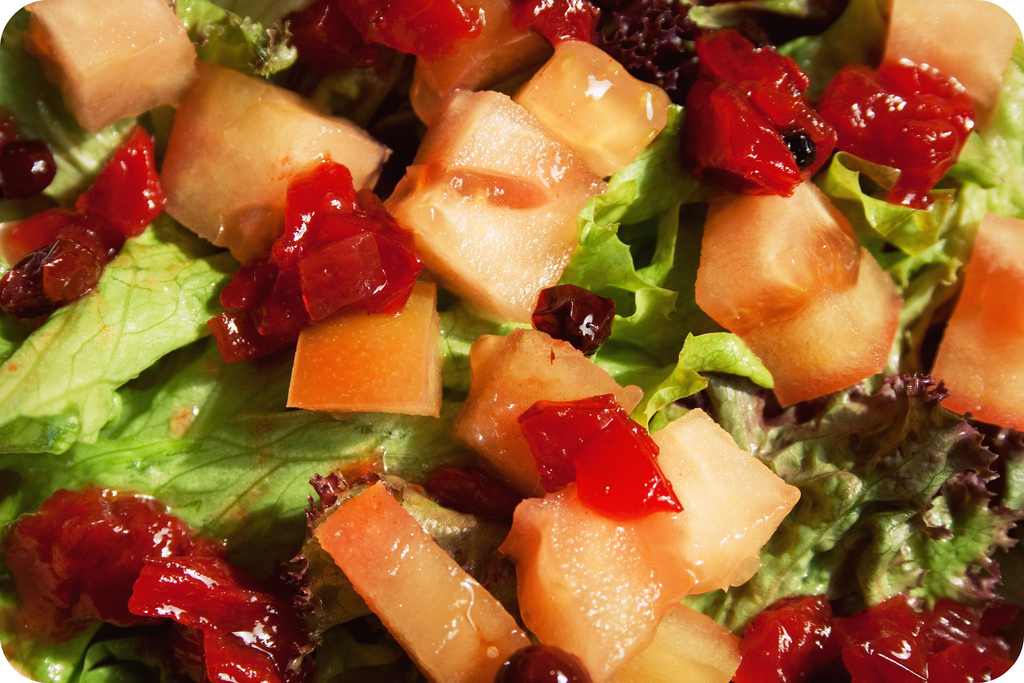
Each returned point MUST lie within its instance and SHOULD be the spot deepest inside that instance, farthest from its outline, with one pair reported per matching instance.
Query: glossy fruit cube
(112, 59)
(592, 104)
(379, 362)
(512, 373)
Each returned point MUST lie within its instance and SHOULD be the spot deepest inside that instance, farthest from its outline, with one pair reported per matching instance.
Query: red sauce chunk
(249, 634)
(75, 560)
(556, 20)
(903, 115)
(425, 28)
(612, 459)
(749, 127)
(340, 249)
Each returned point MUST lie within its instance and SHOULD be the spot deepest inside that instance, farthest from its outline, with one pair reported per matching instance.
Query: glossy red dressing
(612, 459)
(75, 560)
(425, 28)
(249, 634)
(903, 115)
(743, 114)
(340, 249)
(556, 20)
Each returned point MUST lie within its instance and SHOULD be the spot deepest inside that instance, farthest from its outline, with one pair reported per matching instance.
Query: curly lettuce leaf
(893, 499)
(236, 40)
(59, 386)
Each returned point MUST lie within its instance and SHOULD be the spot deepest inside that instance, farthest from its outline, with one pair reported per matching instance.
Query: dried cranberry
(425, 28)
(127, 191)
(743, 113)
(27, 168)
(556, 20)
(49, 278)
(575, 315)
(250, 284)
(249, 634)
(282, 314)
(542, 664)
(472, 491)
(35, 232)
(907, 116)
(75, 560)
(238, 337)
(790, 641)
(327, 40)
(341, 274)
(612, 459)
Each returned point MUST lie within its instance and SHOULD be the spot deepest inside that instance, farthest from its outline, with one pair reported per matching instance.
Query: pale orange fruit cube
(453, 629)
(112, 59)
(372, 362)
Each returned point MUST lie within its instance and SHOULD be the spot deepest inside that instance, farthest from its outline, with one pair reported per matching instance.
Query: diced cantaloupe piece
(453, 629)
(586, 583)
(732, 503)
(510, 374)
(970, 40)
(592, 104)
(235, 144)
(377, 362)
(688, 646)
(496, 52)
(981, 357)
(492, 200)
(112, 59)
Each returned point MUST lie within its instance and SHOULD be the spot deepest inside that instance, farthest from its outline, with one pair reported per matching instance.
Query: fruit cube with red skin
(379, 362)
(970, 40)
(113, 59)
(226, 187)
(510, 374)
(453, 629)
(981, 357)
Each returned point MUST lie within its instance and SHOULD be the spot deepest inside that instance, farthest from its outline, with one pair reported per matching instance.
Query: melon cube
(492, 200)
(592, 104)
(970, 40)
(732, 503)
(112, 59)
(377, 362)
(586, 583)
(981, 357)
(688, 646)
(510, 374)
(496, 52)
(235, 144)
(453, 629)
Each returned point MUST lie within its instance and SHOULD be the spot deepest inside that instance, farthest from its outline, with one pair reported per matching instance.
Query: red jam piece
(556, 20)
(127, 191)
(327, 40)
(790, 641)
(425, 28)
(249, 634)
(473, 492)
(749, 126)
(612, 459)
(75, 560)
(902, 115)
(575, 315)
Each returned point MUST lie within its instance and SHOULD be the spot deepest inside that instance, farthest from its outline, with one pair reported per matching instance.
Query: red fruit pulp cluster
(904, 115)
(60, 254)
(340, 249)
(749, 126)
(575, 315)
(799, 639)
(612, 459)
(27, 167)
(97, 554)
(556, 20)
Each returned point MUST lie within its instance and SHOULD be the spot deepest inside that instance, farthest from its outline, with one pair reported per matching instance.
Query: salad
(511, 340)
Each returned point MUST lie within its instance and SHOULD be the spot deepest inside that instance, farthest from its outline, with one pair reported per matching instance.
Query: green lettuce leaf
(893, 499)
(59, 386)
(235, 40)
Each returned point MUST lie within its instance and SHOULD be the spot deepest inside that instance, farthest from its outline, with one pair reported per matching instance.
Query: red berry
(425, 28)
(35, 232)
(238, 337)
(556, 20)
(250, 284)
(127, 191)
(612, 459)
(575, 315)
(542, 664)
(472, 491)
(27, 168)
